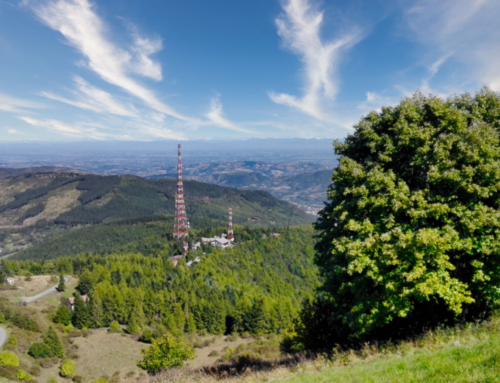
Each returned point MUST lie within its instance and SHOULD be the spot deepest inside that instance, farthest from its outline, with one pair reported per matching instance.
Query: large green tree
(410, 236)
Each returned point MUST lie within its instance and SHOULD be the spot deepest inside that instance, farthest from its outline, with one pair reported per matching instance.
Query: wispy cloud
(217, 117)
(299, 26)
(77, 21)
(465, 30)
(119, 129)
(17, 105)
(61, 127)
(91, 98)
(14, 131)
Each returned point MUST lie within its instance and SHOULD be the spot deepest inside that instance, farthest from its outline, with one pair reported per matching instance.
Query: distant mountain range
(35, 207)
(297, 183)
(11, 172)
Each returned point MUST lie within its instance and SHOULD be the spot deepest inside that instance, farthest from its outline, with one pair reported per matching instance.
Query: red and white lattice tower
(185, 249)
(230, 234)
(181, 224)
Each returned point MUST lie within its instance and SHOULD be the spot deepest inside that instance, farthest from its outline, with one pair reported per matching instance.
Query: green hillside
(38, 207)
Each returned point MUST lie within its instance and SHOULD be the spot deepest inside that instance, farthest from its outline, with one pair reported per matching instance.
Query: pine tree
(55, 345)
(63, 315)
(61, 286)
(98, 319)
(81, 313)
(190, 322)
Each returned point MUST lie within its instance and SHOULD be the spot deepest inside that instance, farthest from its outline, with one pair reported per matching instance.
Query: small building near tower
(175, 259)
(71, 302)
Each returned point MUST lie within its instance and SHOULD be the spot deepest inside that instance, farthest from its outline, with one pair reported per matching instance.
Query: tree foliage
(164, 353)
(256, 286)
(410, 236)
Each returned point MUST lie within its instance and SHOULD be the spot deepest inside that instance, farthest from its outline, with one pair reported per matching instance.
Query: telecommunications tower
(181, 223)
(230, 234)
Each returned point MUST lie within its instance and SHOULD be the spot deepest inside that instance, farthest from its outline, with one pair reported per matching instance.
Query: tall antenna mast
(181, 224)
(230, 234)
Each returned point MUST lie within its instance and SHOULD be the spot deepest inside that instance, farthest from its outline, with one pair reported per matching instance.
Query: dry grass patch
(102, 353)
(66, 199)
(219, 346)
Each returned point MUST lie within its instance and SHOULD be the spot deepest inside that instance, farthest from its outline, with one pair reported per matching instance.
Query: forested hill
(72, 199)
(257, 286)
(37, 207)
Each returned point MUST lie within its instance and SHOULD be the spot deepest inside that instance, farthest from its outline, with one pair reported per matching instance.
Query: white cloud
(77, 21)
(375, 101)
(95, 99)
(299, 27)
(217, 117)
(465, 30)
(57, 126)
(143, 48)
(16, 105)
(14, 131)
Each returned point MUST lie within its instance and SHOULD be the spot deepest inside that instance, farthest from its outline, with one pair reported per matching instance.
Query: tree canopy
(410, 235)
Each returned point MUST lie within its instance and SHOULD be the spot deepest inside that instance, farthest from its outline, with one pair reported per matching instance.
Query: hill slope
(36, 207)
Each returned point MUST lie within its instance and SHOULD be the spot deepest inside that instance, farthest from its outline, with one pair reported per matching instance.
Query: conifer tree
(63, 315)
(96, 312)
(190, 322)
(61, 286)
(81, 313)
(51, 339)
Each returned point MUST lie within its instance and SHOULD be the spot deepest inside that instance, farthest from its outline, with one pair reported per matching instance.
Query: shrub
(115, 327)
(77, 379)
(67, 368)
(35, 370)
(146, 336)
(2, 318)
(12, 341)
(39, 350)
(165, 352)
(23, 375)
(213, 353)
(8, 358)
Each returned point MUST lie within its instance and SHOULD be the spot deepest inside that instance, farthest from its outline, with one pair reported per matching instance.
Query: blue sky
(226, 69)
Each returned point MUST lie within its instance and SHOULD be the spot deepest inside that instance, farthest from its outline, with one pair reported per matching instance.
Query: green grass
(475, 360)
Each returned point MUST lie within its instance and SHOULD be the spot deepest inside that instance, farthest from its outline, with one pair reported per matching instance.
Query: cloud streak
(464, 30)
(17, 105)
(217, 117)
(299, 27)
(94, 99)
(77, 21)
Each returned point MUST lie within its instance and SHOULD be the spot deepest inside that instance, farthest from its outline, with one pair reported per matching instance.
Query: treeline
(147, 235)
(256, 287)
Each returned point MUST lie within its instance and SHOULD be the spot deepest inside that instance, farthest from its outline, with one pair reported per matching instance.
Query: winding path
(3, 336)
(43, 293)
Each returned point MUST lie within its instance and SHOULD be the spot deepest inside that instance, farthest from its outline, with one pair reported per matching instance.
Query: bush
(146, 336)
(67, 368)
(23, 375)
(12, 341)
(115, 327)
(2, 318)
(39, 350)
(164, 353)
(8, 358)
(213, 353)
(77, 379)
(35, 370)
